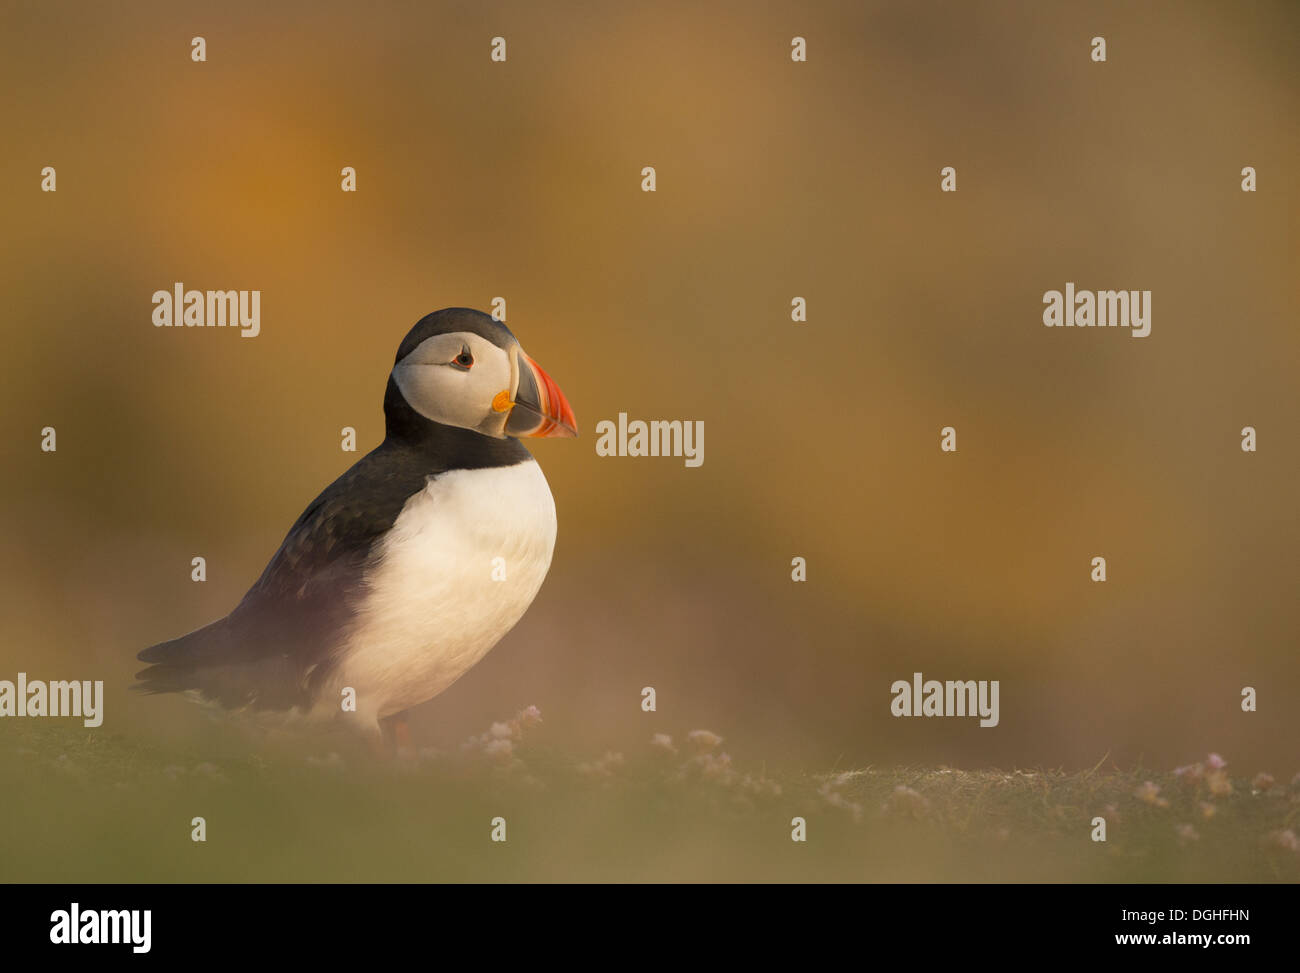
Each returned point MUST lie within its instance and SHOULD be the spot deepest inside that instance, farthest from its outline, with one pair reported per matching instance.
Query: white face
(461, 379)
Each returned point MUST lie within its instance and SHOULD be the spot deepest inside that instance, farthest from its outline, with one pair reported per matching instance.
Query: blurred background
(775, 179)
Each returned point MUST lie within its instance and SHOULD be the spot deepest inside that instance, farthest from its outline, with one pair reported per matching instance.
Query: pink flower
(499, 749)
(1149, 793)
(905, 802)
(1284, 840)
(662, 741)
(703, 740)
(1218, 783)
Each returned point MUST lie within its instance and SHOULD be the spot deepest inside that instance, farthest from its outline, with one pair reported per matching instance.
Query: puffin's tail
(210, 661)
(177, 664)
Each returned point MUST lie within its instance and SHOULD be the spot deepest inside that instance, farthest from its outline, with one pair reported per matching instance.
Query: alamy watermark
(178, 308)
(930, 697)
(658, 437)
(62, 697)
(75, 925)
(1099, 309)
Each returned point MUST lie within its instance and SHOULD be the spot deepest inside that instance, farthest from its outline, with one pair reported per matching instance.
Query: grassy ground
(88, 806)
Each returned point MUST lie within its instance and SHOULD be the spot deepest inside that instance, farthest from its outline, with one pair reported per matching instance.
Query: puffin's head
(464, 368)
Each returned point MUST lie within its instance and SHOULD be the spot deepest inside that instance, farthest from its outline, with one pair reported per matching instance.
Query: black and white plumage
(388, 582)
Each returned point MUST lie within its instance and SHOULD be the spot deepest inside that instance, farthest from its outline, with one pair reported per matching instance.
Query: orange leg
(397, 733)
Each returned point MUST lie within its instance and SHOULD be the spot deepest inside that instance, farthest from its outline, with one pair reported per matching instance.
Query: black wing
(283, 637)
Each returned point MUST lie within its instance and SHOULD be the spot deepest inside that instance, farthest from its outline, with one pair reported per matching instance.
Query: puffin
(406, 570)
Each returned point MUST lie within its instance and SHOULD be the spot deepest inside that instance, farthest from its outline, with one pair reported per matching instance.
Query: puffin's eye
(464, 360)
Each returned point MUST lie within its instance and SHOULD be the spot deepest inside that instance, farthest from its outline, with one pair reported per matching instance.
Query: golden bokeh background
(775, 179)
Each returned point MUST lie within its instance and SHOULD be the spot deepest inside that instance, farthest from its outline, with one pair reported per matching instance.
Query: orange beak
(540, 409)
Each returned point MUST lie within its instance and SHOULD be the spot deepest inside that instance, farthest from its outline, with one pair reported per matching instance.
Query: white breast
(435, 601)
